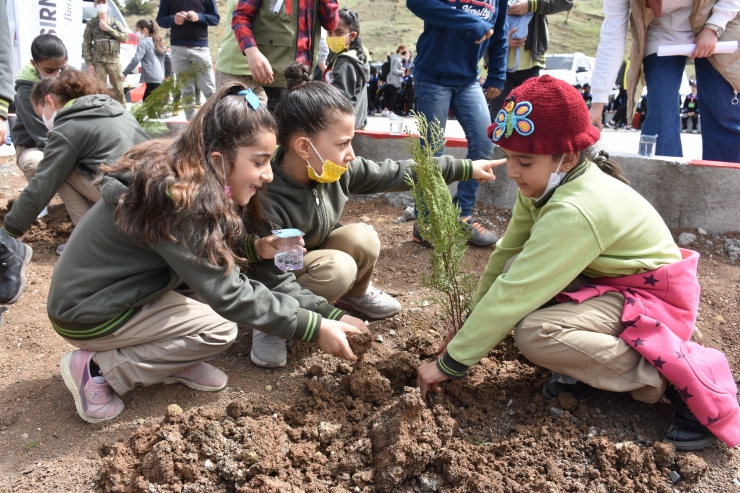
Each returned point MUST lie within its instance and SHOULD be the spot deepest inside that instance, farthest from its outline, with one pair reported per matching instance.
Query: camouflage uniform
(102, 49)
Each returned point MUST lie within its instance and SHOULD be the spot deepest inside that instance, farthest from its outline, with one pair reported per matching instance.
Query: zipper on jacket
(322, 219)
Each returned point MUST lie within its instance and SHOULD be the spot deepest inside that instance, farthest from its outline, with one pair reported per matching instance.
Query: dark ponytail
(47, 47)
(351, 19)
(601, 159)
(306, 106)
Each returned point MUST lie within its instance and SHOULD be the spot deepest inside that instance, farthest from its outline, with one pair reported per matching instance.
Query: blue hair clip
(251, 98)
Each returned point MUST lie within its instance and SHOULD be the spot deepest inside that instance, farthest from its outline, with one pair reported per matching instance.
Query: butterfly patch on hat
(513, 116)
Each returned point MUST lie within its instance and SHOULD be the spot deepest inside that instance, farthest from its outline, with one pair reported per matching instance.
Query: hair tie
(601, 158)
(251, 98)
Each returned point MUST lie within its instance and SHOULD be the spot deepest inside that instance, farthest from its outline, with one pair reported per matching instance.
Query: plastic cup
(290, 254)
(647, 145)
(396, 125)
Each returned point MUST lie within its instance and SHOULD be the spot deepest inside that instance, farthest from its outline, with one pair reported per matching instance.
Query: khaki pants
(28, 158)
(582, 341)
(223, 78)
(166, 336)
(113, 72)
(343, 264)
(78, 194)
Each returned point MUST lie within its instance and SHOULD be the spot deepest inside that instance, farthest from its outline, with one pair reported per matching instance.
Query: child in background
(691, 110)
(348, 71)
(48, 59)
(87, 128)
(315, 172)
(372, 88)
(152, 53)
(170, 217)
(625, 296)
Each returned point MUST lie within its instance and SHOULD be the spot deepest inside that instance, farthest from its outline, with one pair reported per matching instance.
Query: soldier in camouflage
(101, 48)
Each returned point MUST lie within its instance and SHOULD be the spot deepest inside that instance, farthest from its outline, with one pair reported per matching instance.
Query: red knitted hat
(544, 116)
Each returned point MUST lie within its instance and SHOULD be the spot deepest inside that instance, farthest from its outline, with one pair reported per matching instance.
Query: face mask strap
(314, 150)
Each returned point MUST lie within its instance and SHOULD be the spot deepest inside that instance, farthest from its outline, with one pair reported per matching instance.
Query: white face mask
(140, 35)
(48, 122)
(102, 7)
(554, 180)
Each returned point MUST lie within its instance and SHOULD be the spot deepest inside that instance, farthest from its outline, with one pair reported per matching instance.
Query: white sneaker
(375, 303)
(695, 131)
(268, 351)
(385, 113)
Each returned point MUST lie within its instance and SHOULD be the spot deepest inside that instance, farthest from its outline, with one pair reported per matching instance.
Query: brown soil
(330, 426)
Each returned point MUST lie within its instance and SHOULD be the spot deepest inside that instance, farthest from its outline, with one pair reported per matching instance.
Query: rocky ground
(324, 425)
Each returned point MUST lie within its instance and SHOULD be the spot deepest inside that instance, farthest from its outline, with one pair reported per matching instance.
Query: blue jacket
(446, 50)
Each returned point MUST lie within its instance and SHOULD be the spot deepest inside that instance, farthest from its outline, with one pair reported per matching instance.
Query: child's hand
(260, 66)
(333, 339)
(482, 169)
(428, 377)
(267, 247)
(356, 323)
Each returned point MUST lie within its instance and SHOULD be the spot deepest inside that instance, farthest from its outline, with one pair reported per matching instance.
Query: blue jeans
(720, 119)
(471, 110)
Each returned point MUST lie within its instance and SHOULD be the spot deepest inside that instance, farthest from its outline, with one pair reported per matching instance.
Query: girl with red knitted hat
(590, 278)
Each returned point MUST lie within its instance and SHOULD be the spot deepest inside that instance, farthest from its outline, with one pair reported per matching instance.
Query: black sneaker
(481, 236)
(685, 431)
(554, 388)
(416, 236)
(14, 256)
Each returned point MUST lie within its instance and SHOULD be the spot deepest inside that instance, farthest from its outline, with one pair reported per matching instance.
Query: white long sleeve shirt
(672, 27)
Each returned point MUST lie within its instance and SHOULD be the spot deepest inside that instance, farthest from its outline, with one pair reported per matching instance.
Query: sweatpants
(343, 264)
(582, 341)
(28, 158)
(168, 334)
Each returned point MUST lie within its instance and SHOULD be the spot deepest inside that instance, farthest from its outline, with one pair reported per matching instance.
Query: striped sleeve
(307, 326)
(450, 367)
(242, 22)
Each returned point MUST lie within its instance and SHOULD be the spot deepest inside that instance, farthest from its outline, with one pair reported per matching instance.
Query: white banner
(29, 18)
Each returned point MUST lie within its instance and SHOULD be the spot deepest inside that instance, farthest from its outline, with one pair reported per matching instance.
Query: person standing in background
(152, 53)
(532, 47)
(188, 21)
(455, 38)
(669, 22)
(272, 40)
(393, 79)
(101, 49)
(691, 110)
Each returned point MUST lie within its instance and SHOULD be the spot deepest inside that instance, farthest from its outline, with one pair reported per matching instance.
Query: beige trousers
(166, 336)
(224, 78)
(343, 264)
(78, 194)
(582, 341)
(28, 158)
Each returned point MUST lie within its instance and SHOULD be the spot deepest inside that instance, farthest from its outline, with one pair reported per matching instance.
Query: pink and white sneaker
(94, 398)
(200, 376)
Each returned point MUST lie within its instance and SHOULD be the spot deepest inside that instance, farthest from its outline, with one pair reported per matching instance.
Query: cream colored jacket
(619, 14)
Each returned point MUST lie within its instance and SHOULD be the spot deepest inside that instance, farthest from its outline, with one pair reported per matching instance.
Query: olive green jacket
(100, 46)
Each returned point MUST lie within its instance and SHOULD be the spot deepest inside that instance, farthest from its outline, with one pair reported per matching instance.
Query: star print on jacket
(658, 324)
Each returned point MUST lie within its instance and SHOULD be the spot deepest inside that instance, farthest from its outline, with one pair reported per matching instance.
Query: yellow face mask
(336, 43)
(330, 173)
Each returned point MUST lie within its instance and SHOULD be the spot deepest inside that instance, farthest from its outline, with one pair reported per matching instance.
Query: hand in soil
(356, 323)
(428, 377)
(333, 339)
(448, 338)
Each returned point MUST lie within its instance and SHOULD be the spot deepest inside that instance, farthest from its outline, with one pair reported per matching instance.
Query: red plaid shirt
(241, 23)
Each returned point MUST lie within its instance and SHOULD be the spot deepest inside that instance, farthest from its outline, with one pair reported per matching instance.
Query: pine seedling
(438, 223)
(164, 99)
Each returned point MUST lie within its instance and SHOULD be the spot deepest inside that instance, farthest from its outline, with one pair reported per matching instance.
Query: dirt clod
(360, 343)
(691, 466)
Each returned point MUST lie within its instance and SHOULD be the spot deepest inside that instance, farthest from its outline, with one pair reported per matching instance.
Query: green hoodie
(88, 131)
(105, 277)
(28, 129)
(350, 75)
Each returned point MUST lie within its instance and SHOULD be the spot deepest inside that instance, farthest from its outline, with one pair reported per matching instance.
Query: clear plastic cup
(396, 125)
(290, 254)
(647, 145)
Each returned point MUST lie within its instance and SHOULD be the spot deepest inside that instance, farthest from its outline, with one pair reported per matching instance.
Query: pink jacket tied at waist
(659, 313)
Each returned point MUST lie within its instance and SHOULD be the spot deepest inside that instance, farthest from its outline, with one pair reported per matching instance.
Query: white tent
(29, 18)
